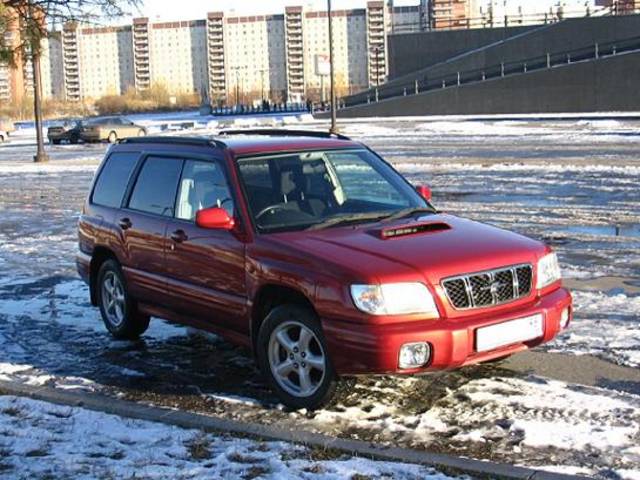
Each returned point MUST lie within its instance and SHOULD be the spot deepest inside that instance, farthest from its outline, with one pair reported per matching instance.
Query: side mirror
(215, 218)
(424, 192)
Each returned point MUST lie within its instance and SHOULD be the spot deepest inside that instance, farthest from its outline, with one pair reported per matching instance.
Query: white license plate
(508, 333)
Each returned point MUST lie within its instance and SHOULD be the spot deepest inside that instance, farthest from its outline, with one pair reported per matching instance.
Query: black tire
(325, 392)
(74, 140)
(142, 132)
(55, 142)
(113, 137)
(133, 323)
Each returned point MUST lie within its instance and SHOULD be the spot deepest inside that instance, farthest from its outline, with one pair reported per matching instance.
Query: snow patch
(42, 439)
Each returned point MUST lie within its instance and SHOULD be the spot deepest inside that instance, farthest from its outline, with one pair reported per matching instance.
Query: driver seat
(292, 189)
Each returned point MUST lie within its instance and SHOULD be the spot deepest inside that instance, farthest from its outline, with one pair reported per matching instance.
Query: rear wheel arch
(270, 296)
(100, 255)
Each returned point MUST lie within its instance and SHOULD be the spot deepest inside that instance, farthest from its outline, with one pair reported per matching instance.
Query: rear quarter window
(113, 179)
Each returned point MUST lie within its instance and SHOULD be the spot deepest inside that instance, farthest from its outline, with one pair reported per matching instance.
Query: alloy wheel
(113, 299)
(297, 359)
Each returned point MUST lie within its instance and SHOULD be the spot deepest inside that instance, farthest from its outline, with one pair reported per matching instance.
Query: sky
(195, 9)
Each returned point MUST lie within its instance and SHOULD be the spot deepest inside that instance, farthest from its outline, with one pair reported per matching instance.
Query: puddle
(606, 230)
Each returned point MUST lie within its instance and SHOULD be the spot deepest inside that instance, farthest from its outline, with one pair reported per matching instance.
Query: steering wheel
(268, 209)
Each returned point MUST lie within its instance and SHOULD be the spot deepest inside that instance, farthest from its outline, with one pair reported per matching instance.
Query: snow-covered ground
(40, 440)
(570, 183)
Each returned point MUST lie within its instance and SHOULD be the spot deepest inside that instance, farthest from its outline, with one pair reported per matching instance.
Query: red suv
(312, 251)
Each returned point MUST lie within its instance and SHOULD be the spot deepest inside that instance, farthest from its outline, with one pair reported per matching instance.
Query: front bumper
(374, 349)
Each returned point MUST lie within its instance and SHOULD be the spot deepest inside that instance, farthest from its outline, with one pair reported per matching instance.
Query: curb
(124, 408)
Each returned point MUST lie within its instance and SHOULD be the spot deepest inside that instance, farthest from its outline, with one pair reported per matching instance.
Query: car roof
(241, 145)
(255, 144)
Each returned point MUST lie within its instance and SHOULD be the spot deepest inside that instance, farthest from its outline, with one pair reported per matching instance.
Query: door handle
(125, 223)
(179, 236)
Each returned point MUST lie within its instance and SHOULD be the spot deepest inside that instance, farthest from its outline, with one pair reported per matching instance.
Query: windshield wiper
(347, 219)
(409, 212)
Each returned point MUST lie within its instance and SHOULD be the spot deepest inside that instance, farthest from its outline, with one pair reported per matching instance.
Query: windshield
(302, 190)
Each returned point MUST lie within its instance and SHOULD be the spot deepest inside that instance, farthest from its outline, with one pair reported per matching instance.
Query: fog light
(565, 316)
(414, 355)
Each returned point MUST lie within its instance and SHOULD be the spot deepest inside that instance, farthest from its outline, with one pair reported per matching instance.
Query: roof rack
(282, 132)
(193, 141)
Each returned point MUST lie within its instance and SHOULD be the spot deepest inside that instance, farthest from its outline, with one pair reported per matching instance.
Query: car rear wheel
(142, 133)
(113, 137)
(293, 357)
(118, 309)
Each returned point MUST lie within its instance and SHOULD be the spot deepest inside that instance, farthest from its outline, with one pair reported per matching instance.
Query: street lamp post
(262, 72)
(41, 155)
(237, 69)
(377, 53)
(333, 128)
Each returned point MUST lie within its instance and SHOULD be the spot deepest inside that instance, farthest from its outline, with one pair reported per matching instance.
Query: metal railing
(503, 69)
(514, 20)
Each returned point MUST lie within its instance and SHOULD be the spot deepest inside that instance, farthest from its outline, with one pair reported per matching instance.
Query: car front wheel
(293, 357)
(113, 137)
(118, 310)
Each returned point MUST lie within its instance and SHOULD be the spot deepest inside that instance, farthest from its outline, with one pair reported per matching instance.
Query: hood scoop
(412, 229)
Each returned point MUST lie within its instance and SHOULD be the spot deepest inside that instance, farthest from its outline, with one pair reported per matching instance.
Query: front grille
(485, 289)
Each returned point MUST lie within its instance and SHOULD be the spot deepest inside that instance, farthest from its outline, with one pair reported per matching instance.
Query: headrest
(291, 178)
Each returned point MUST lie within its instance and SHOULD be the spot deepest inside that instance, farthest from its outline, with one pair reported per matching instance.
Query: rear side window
(113, 179)
(155, 189)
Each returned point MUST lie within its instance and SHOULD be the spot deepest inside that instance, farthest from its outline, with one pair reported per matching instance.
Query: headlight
(548, 270)
(394, 299)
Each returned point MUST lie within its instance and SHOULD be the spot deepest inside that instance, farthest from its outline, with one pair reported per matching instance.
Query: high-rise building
(496, 13)
(241, 59)
(16, 82)
(236, 59)
(451, 14)
(621, 6)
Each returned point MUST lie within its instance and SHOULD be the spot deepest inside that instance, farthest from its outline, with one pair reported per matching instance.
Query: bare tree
(32, 20)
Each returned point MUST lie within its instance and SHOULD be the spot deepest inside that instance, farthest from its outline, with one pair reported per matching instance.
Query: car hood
(433, 246)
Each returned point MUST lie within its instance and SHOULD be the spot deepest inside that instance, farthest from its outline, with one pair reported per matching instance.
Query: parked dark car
(314, 253)
(65, 131)
(111, 129)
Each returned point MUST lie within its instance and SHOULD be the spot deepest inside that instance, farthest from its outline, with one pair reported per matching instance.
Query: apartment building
(253, 55)
(16, 83)
(177, 56)
(105, 61)
(496, 13)
(231, 59)
(450, 14)
(621, 6)
(96, 61)
(284, 57)
(51, 67)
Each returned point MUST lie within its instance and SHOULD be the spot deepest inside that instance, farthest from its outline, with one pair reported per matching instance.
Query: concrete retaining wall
(607, 84)
(409, 52)
(571, 34)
